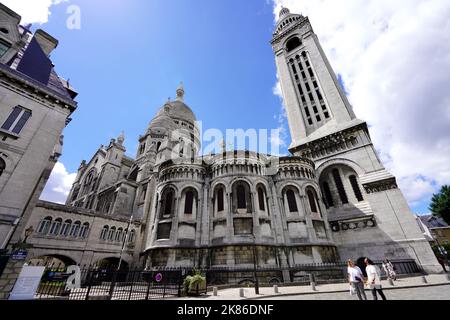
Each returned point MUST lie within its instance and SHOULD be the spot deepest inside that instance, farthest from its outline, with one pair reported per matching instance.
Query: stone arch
(242, 198)
(51, 260)
(340, 161)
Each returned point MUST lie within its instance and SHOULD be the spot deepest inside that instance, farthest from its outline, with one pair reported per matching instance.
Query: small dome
(284, 11)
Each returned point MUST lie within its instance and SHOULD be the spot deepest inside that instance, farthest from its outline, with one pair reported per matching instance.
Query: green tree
(440, 204)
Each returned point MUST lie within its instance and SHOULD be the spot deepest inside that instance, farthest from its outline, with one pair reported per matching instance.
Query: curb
(343, 291)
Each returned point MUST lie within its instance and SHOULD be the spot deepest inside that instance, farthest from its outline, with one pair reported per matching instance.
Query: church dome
(177, 110)
(284, 11)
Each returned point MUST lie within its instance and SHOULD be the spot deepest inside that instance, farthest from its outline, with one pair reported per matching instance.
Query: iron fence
(161, 283)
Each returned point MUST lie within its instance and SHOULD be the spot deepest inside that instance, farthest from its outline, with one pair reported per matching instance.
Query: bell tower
(367, 212)
(315, 102)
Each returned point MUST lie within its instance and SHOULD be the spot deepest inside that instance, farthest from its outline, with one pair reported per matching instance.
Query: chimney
(46, 41)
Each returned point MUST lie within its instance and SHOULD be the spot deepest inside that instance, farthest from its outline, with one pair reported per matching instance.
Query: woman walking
(356, 280)
(374, 279)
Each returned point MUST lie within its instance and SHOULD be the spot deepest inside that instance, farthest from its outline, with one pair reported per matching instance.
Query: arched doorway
(52, 261)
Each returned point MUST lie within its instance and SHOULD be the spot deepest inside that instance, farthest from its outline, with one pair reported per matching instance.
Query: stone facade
(168, 207)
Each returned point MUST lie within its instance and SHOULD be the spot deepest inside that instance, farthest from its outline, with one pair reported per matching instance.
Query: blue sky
(127, 59)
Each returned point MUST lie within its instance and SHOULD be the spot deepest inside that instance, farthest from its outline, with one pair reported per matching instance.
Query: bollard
(424, 279)
(312, 281)
(391, 282)
(241, 293)
(215, 292)
(275, 288)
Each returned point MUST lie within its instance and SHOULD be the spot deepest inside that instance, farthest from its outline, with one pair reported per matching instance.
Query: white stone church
(332, 200)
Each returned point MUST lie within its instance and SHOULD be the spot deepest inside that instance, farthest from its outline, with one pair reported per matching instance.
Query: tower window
(189, 202)
(328, 196)
(293, 44)
(292, 202)
(17, 120)
(308, 88)
(220, 206)
(310, 71)
(356, 188)
(294, 69)
(241, 201)
(312, 201)
(261, 198)
(340, 186)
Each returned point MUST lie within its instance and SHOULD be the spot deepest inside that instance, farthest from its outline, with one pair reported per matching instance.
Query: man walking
(374, 279)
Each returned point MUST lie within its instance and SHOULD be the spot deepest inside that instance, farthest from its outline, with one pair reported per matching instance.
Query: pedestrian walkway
(269, 292)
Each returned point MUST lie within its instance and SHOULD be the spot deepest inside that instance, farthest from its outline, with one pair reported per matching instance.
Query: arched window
(312, 198)
(125, 235)
(241, 201)
(293, 44)
(158, 146)
(104, 233)
(167, 203)
(356, 189)
(340, 186)
(84, 230)
(111, 234)
(261, 199)
(56, 226)
(74, 231)
(2, 166)
(189, 202)
(292, 202)
(119, 235)
(132, 236)
(45, 225)
(220, 202)
(66, 228)
(328, 197)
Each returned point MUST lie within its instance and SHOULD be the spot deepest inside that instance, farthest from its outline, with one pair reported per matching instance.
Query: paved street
(425, 293)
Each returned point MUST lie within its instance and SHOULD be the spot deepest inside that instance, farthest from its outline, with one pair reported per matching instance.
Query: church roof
(178, 110)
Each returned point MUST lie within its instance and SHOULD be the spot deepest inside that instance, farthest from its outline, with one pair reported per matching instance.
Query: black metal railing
(161, 283)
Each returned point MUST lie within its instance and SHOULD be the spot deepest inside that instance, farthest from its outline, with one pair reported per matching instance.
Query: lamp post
(28, 233)
(255, 261)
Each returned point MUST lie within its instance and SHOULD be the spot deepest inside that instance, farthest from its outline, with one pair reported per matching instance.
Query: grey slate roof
(433, 222)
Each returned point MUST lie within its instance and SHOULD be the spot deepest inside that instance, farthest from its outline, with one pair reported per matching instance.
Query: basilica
(330, 200)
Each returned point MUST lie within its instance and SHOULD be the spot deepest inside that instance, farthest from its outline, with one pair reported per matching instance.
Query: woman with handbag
(374, 279)
(356, 280)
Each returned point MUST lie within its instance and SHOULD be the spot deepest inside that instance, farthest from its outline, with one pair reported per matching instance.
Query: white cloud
(394, 58)
(58, 185)
(280, 141)
(32, 11)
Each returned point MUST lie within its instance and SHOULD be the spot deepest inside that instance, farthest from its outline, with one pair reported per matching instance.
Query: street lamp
(255, 260)
(28, 233)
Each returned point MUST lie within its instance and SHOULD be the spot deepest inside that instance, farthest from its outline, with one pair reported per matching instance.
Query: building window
(328, 196)
(340, 186)
(119, 235)
(66, 228)
(261, 199)
(16, 120)
(104, 233)
(111, 234)
(292, 202)
(220, 203)
(45, 225)
(144, 192)
(75, 229)
(356, 188)
(189, 202)
(56, 226)
(132, 236)
(167, 203)
(292, 44)
(4, 46)
(2, 166)
(312, 201)
(84, 230)
(241, 203)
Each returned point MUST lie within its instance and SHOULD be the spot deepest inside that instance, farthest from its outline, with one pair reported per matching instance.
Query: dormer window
(17, 120)
(4, 46)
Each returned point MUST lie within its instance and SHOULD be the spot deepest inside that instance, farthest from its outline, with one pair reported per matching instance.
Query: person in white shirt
(374, 279)
(356, 280)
